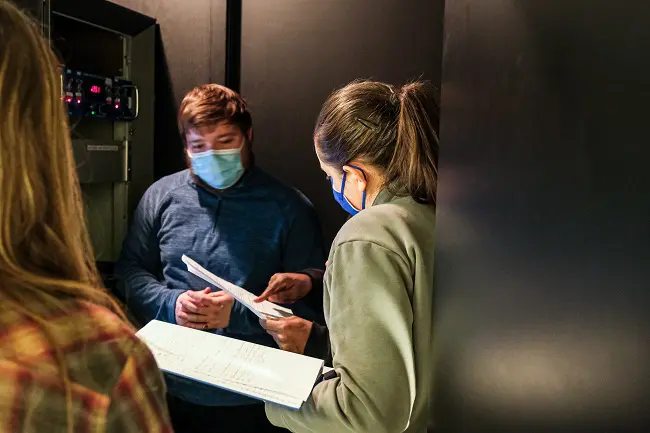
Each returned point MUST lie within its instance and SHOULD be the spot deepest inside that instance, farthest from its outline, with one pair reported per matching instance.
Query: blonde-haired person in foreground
(69, 362)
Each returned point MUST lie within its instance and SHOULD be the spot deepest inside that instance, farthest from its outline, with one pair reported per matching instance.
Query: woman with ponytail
(378, 146)
(69, 361)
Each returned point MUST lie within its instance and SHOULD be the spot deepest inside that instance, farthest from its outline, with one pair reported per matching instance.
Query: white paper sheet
(258, 371)
(261, 309)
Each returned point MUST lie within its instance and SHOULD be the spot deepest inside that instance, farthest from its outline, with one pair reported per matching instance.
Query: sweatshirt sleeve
(318, 343)
(314, 299)
(139, 270)
(370, 322)
(303, 252)
(243, 321)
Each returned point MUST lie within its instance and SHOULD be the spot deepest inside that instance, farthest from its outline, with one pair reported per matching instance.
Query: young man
(233, 219)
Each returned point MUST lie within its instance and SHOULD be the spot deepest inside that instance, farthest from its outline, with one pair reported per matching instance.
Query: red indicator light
(117, 106)
(95, 89)
(78, 101)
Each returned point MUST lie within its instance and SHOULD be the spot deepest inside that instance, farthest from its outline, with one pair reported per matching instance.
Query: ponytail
(413, 169)
(393, 130)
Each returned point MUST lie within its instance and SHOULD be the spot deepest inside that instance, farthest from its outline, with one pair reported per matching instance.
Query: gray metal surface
(543, 250)
(141, 130)
(114, 159)
(100, 161)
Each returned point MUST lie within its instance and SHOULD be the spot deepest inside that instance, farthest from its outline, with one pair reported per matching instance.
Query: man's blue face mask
(340, 197)
(220, 169)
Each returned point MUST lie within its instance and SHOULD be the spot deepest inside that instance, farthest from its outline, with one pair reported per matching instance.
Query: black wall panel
(295, 52)
(193, 35)
(31, 7)
(543, 261)
(103, 13)
(190, 52)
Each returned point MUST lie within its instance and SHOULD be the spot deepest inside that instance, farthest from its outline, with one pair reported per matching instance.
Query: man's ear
(249, 134)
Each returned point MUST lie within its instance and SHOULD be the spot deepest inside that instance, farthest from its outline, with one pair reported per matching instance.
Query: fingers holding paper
(290, 333)
(204, 309)
(286, 288)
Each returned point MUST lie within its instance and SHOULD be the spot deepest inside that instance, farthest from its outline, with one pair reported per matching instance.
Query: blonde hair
(45, 253)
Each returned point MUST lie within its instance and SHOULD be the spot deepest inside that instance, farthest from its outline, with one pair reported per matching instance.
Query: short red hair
(209, 104)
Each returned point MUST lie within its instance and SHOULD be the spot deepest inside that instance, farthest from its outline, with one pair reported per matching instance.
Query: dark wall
(193, 34)
(543, 262)
(190, 51)
(295, 52)
(32, 7)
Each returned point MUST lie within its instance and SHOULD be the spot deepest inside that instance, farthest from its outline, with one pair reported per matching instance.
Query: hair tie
(394, 98)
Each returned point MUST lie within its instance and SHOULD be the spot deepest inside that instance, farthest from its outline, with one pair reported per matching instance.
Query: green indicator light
(92, 112)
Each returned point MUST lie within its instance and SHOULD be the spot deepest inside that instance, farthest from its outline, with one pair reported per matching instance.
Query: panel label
(102, 148)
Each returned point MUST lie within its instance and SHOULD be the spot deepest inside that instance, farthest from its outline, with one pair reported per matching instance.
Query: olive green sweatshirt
(378, 302)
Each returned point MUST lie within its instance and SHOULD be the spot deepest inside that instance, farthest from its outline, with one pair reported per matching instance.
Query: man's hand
(286, 288)
(290, 333)
(204, 309)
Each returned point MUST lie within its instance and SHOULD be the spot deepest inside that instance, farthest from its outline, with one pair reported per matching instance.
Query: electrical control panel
(89, 95)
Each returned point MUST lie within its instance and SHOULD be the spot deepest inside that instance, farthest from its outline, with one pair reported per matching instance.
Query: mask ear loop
(343, 183)
(363, 197)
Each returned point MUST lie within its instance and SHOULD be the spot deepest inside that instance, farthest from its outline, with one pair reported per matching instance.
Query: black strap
(326, 376)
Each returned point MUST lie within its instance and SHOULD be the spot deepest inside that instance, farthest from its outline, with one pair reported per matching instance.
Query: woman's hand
(286, 288)
(290, 333)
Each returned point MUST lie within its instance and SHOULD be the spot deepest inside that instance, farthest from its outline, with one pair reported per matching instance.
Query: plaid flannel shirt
(115, 383)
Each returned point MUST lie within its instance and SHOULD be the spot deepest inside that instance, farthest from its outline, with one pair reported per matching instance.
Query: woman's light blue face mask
(220, 169)
(340, 197)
